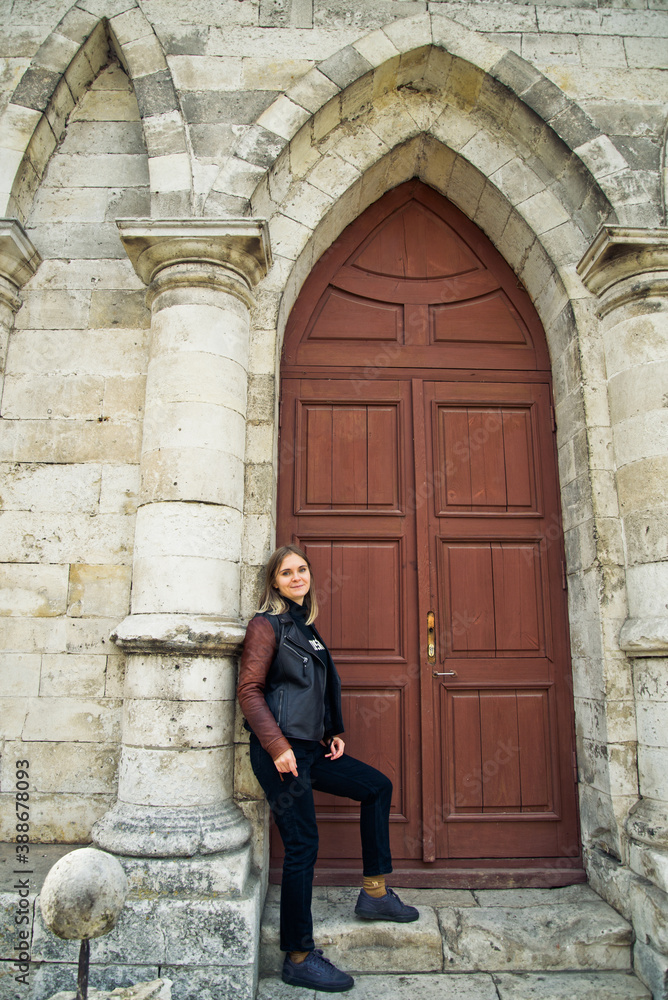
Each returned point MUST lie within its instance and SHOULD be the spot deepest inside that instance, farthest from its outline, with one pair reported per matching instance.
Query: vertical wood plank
(490, 435)
(516, 611)
(317, 447)
(453, 438)
(520, 488)
(471, 623)
(500, 759)
(466, 753)
(382, 456)
(533, 728)
(349, 472)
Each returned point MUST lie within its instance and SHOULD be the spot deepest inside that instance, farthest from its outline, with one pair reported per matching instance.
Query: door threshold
(455, 878)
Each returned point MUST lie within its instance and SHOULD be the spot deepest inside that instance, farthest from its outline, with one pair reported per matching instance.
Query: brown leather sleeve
(258, 653)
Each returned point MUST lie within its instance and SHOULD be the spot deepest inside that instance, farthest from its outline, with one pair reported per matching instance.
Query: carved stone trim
(164, 831)
(644, 637)
(624, 264)
(200, 275)
(242, 245)
(19, 259)
(194, 634)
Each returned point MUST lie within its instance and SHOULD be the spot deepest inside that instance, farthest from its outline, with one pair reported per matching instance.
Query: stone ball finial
(83, 894)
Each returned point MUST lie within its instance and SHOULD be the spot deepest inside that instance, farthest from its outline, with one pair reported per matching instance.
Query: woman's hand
(337, 746)
(286, 763)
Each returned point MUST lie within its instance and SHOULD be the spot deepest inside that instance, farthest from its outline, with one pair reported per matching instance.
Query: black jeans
(291, 802)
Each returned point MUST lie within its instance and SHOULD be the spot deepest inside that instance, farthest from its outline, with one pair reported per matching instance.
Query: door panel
(344, 499)
(421, 484)
(496, 587)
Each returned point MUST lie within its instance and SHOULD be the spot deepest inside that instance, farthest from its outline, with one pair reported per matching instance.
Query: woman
(290, 694)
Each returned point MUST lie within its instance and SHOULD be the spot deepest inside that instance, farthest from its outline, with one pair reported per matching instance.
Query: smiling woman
(293, 579)
(290, 693)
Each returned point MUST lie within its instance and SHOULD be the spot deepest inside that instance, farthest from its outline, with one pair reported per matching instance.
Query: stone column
(19, 260)
(628, 270)
(176, 773)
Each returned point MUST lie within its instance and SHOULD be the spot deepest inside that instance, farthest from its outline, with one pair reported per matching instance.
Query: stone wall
(544, 122)
(71, 428)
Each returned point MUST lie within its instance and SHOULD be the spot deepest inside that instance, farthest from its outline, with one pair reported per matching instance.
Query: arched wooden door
(418, 470)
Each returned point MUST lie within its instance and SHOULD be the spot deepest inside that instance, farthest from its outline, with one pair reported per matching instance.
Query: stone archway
(348, 153)
(410, 345)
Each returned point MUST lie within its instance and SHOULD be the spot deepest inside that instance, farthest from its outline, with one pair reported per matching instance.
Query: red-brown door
(417, 468)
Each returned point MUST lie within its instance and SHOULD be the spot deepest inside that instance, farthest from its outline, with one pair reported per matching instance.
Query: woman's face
(293, 578)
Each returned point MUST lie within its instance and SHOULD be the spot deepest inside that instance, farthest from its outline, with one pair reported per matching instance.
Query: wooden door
(417, 468)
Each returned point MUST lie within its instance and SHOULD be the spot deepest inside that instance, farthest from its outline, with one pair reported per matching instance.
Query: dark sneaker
(388, 907)
(316, 973)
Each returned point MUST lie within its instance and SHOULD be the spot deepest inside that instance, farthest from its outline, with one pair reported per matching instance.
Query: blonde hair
(271, 600)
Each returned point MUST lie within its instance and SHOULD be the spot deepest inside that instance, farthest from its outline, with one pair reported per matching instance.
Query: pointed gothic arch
(64, 66)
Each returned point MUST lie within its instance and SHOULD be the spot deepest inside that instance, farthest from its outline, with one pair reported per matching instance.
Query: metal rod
(82, 976)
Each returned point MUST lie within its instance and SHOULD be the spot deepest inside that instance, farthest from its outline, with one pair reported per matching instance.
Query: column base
(206, 944)
(167, 831)
(164, 633)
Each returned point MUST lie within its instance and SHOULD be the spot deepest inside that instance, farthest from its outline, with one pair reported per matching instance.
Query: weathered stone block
(65, 767)
(283, 117)
(563, 985)
(99, 591)
(66, 538)
(259, 443)
(38, 397)
(246, 785)
(345, 66)
(53, 310)
(60, 978)
(177, 724)
(20, 678)
(73, 719)
(196, 678)
(357, 946)
(652, 967)
(72, 675)
(118, 489)
(37, 591)
(288, 236)
(190, 982)
(591, 935)
(175, 778)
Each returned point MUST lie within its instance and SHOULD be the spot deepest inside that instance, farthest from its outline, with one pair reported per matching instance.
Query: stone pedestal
(628, 270)
(175, 825)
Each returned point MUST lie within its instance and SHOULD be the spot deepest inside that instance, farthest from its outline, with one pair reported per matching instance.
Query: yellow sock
(298, 956)
(374, 885)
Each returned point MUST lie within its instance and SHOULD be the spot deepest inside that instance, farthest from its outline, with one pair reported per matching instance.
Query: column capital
(644, 637)
(240, 245)
(625, 264)
(19, 260)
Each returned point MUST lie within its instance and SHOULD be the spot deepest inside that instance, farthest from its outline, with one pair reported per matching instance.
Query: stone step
(477, 986)
(513, 930)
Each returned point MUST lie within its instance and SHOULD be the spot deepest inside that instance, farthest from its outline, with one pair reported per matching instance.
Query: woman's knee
(300, 858)
(381, 789)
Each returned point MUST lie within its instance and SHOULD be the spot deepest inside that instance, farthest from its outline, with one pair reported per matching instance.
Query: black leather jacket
(283, 688)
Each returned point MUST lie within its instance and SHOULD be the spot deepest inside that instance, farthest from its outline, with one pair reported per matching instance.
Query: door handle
(444, 673)
(431, 644)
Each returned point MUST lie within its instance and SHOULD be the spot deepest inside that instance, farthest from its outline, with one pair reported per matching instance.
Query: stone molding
(644, 637)
(239, 245)
(624, 264)
(194, 634)
(19, 259)
(199, 275)
(166, 831)
(647, 824)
